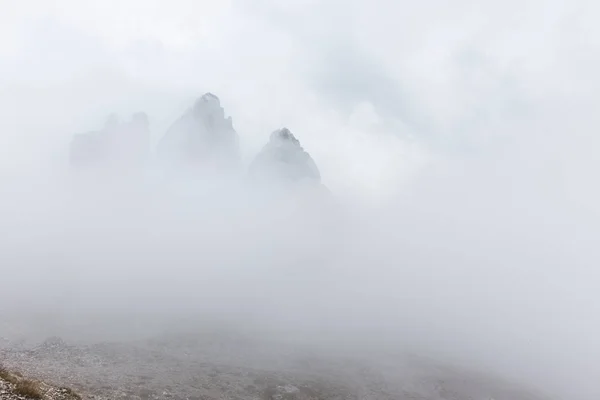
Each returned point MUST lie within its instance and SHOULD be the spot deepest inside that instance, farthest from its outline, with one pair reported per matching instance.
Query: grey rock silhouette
(284, 159)
(92, 148)
(201, 136)
(130, 142)
(118, 145)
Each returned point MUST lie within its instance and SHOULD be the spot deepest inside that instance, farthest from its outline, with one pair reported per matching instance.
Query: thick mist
(488, 271)
(462, 215)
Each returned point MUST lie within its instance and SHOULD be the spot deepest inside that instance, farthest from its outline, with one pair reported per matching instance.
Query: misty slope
(202, 136)
(284, 159)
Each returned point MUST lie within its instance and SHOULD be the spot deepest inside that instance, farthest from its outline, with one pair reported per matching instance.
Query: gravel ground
(222, 365)
(15, 386)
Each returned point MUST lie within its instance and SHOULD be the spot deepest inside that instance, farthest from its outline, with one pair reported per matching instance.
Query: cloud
(472, 127)
(261, 84)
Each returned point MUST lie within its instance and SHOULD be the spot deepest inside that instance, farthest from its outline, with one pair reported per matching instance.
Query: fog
(459, 152)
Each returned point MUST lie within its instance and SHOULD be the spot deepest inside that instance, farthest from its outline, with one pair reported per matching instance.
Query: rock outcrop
(284, 159)
(119, 145)
(130, 142)
(92, 148)
(201, 137)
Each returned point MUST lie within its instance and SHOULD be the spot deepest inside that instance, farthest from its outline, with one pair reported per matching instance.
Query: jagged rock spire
(202, 135)
(284, 158)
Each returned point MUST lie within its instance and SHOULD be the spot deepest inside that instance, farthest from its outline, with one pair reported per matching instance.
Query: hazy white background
(461, 138)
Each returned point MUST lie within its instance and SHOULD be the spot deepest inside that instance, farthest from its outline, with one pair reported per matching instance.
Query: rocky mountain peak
(284, 136)
(203, 134)
(209, 97)
(283, 158)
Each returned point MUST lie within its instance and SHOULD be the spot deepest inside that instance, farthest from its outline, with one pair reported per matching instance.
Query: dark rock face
(284, 159)
(202, 136)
